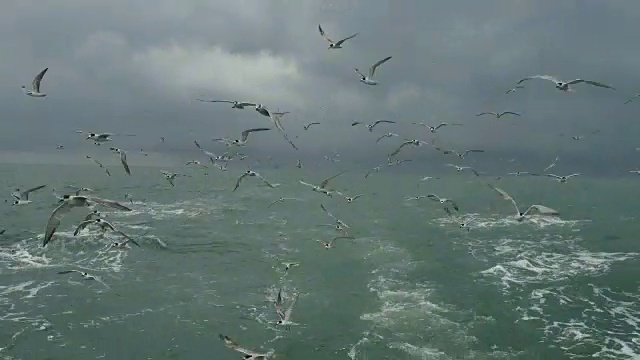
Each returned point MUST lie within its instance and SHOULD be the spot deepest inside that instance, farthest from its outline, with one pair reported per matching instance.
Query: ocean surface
(411, 285)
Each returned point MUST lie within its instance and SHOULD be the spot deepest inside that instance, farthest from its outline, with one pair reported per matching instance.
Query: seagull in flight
(170, 176)
(123, 158)
(68, 203)
(235, 104)
(387, 135)
(285, 317)
(100, 137)
(637, 172)
(338, 222)
(247, 354)
(632, 98)
(22, 197)
(435, 197)
(372, 70)
(461, 168)
(275, 118)
(433, 129)
(35, 85)
(281, 199)
(561, 179)
(552, 164)
(212, 157)
(332, 44)
(104, 226)
(464, 153)
(518, 173)
(251, 173)
(351, 199)
(85, 276)
(520, 216)
(498, 115)
(513, 89)
(322, 188)
(375, 169)
(414, 142)
(243, 139)
(372, 125)
(565, 86)
(330, 244)
(306, 127)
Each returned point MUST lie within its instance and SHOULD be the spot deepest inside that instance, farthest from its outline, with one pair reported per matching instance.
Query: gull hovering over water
(170, 176)
(632, 98)
(433, 129)
(518, 173)
(322, 188)
(285, 317)
(235, 104)
(387, 135)
(247, 354)
(104, 226)
(498, 115)
(68, 203)
(565, 86)
(245, 136)
(24, 195)
(372, 70)
(435, 197)
(372, 125)
(520, 216)
(85, 276)
(275, 118)
(561, 179)
(35, 85)
(332, 44)
(461, 168)
(306, 127)
(123, 159)
(552, 164)
(462, 154)
(414, 142)
(251, 173)
(281, 199)
(637, 172)
(212, 157)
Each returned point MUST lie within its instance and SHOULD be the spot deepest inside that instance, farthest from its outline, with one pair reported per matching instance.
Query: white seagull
(281, 199)
(561, 179)
(414, 142)
(22, 197)
(552, 164)
(247, 354)
(337, 221)
(498, 115)
(387, 135)
(100, 137)
(433, 129)
(123, 158)
(35, 85)
(104, 226)
(329, 244)
(170, 176)
(244, 137)
(565, 86)
(251, 173)
(332, 44)
(69, 202)
(275, 118)
(520, 216)
(85, 276)
(235, 104)
(637, 172)
(435, 197)
(322, 188)
(369, 79)
(461, 168)
(372, 125)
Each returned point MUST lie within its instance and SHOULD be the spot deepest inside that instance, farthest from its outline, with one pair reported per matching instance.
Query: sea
(409, 284)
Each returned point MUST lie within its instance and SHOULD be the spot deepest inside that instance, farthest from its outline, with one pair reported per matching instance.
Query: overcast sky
(133, 66)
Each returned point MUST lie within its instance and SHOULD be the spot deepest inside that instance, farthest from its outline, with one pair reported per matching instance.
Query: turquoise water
(411, 285)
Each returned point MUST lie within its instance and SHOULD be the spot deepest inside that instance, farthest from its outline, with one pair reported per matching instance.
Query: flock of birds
(79, 198)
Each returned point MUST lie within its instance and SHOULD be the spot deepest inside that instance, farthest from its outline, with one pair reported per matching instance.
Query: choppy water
(412, 285)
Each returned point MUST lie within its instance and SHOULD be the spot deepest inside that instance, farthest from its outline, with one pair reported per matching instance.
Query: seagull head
(16, 202)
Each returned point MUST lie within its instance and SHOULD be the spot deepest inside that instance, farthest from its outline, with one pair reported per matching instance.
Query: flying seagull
(247, 354)
(337, 44)
(35, 85)
(543, 210)
(123, 158)
(435, 197)
(387, 135)
(322, 188)
(235, 104)
(433, 129)
(281, 199)
(251, 173)
(275, 118)
(104, 226)
(100, 137)
(329, 244)
(99, 164)
(369, 79)
(243, 139)
(513, 89)
(461, 168)
(69, 202)
(632, 98)
(337, 221)
(408, 142)
(565, 86)
(212, 157)
(306, 127)
(552, 164)
(561, 179)
(498, 115)
(24, 195)
(285, 317)
(372, 125)
(85, 276)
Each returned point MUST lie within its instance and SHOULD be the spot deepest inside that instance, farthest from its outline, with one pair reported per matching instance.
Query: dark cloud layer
(135, 67)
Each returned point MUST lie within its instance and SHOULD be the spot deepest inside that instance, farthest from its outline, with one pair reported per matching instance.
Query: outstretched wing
(324, 182)
(373, 68)
(324, 35)
(81, 226)
(505, 196)
(109, 203)
(543, 210)
(345, 39)
(396, 151)
(25, 194)
(239, 181)
(245, 134)
(36, 81)
(543, 77)
(54, 221)
(594, 83)
(123, 160)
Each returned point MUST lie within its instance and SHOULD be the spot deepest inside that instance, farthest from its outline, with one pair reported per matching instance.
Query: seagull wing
(306, 184)
(543, 210)
(510, 112)
(25, 194)
(265, 181)
(487, 113)
(287, 314)
(345, 39)
(82, 225)
(382, 121)
(243, 104)
(441, 125)
(54, 221)
(109, 203)
(36, 81)
(327, 212)
(373, 68)
(505, 196)
(228, 342)
(632, 98)
(359, 73)
(572, 175)
(543, 77)
(245, 134)
(396, 151)
(123, 160)
(433, 197)
(324, 35)
(240, 180)
(216, 101)
(594, 83)
(324, 182)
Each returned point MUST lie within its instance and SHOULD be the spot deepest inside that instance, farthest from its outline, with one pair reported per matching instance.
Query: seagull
(251, 173)
(433, 129)
(123, 158)
(464, 153)
(375, 169)
(334, 45)
(372, 125)
(21, 202)
(285, 317)
(632, 98)
(460, 168)
(85, 276)
(100, 137)
(369, 79)
(498, 115)
(99, 164)
(195, 162)
(275, 118)
(245, 136)
(236, 104)
(212, 157)
(396, 162)
(247, 354)
(565, 86)
(408, 142)
(289, 265)
(68, 203)
(561, 179)
(329, 244)
(169, 176)
(351, 199)
(281, 199)
(92, 214)
(337, 221)
(35, 85)
(306, 127)
(552, 164)
(513, 89)
(262, 110)
(59, 147)
(322, 188)
(637, 172)
(387, 135)
(543, 210)
(104, 226)
(435, 197)
(415, 197)
(24, 195)
(518, 173)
